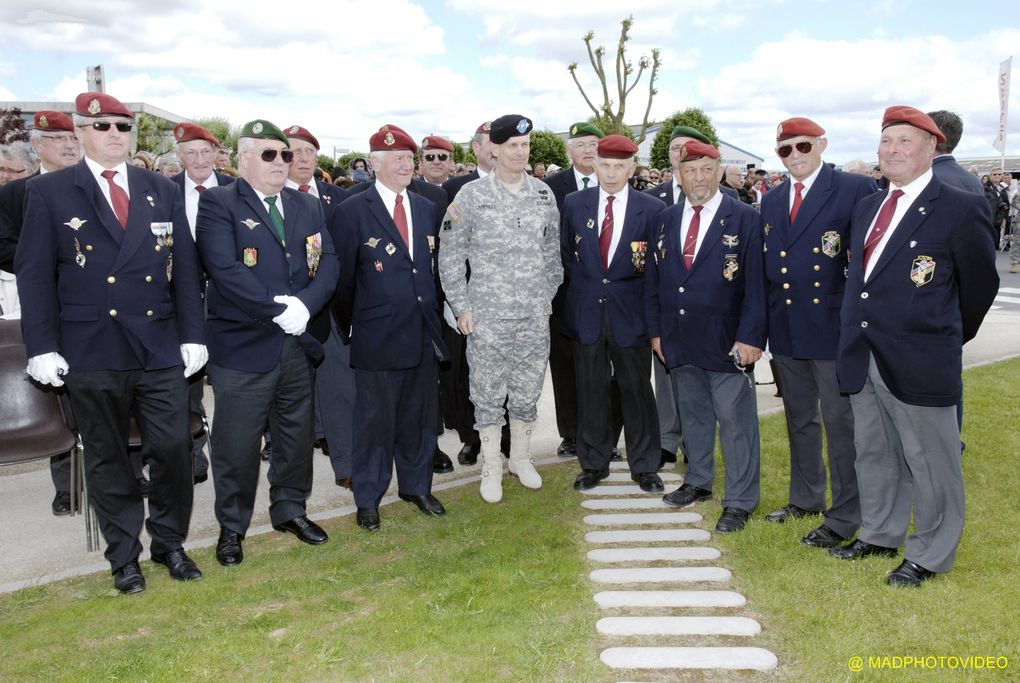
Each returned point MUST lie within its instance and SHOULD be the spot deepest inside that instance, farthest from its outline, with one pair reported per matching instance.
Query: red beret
(186, 132)
(301, 133)
(436, 142)
(100, 104)
(484, 127)
(693, 150)
(798, 125)
(53, 120)
(617, 147)
(912, 117)
(390, 138)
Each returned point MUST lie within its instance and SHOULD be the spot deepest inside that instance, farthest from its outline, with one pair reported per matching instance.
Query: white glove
(449, 317)
(47, 368)
(295, 319)
(194, 357)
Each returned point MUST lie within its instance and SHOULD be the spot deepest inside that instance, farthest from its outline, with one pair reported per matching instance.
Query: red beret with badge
(901, 114)
(436, 142)
(617, 147)
(798, 125)
(391, 138)
(692, 150)
(53, 120)
(186, 132)
(301, 133)
(484, 127)
(94, 104)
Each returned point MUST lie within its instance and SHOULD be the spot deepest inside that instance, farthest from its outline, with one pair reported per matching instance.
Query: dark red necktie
(119, 199)
(606, 235)
(691, 242)
(797, 200)
(400, 218)
(885, 215)
(303, 188)
(200, 188)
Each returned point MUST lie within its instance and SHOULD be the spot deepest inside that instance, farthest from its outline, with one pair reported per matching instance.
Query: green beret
(260, 128)
(582, 128)
(688, 132)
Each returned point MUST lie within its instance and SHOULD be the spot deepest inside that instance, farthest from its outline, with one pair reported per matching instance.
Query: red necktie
(200, 188)
(303, 188)
(692, 237)
(881, 225)
(119, 199)
(606, 234)
(400, 218)
(797, 200)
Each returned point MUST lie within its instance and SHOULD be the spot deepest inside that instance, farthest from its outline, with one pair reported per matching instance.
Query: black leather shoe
(666, 457)
(441, 463)
(589, 479)
(199, 478)
(346, 483)
(267, 451)
(822, 537)
(368, 518)
(732, 519)
(791, 511)
(859, 549)
(567, 448)
(616, 456)
(468, 454)
(305, 529)
(323, 446)
(128, 579)
(182, 567)
(428, 503)
(62, 503)
(228, 548)
(686, 495)
(909, 574)
(649, 482)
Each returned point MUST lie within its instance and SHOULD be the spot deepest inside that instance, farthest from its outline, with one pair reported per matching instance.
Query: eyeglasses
(103, 126)
(269, 155)
(804, 147)
(60, 138)
(204, 153)
(433, 157)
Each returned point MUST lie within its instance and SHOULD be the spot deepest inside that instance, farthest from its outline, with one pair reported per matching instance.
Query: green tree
(547, 148)
(152, 134)
(693, 117)
(325, 162)
(12, 126)
(627, 79)
(221, 130)
(459, 155)
(345, 159)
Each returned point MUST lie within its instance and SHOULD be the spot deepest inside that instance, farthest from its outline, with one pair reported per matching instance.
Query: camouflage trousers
(506, 362)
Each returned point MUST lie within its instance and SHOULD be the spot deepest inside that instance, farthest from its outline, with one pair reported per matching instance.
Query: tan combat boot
(520, 459)
(492, 464)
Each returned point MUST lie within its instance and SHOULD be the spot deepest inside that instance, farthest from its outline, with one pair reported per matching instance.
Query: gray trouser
(665, 405)
(506, 362)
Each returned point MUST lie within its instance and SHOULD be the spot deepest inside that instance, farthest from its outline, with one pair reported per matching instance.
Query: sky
(345, 67)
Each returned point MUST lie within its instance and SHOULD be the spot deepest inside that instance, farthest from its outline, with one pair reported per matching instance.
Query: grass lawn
(500, 593)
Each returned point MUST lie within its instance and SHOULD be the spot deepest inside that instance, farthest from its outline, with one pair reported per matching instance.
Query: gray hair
(857, 166)
(23, 151)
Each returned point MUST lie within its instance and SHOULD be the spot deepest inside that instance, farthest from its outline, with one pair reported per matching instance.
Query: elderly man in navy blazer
(109, 287)
(387, 307)
(605, 233)
(271, 266)
(807, 237)
(921, 278)
(705, 299)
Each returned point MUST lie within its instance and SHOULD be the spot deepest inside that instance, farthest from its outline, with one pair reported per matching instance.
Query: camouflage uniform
(512, 243)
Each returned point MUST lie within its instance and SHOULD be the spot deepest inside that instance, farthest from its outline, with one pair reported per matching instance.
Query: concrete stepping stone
(753, 658)
(678, 626)
(660, 575)
(646, 535)
(611, 599)
(626, 504)
(618, 490)
(625, 476)
(653, 554)
(643, 518)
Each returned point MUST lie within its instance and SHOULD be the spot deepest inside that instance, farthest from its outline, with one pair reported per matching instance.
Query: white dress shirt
(619, 212)
(389, 198)
(120, 179)
(191, 196)
(708, 210)
(807, 183)
(911, 191)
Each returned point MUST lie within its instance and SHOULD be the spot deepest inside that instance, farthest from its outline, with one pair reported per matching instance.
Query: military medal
(169, 266)
(730, 267)
(163, 233)
(313, 252)
(637, 256)
(830, 243)
(768, 227)
(251, 257)
(730, 240)
(249, 223)
(391, 249)
(577, 239)
(378, 266)
(75, 223)
(922, 270)
(79, 257)
(432, 242)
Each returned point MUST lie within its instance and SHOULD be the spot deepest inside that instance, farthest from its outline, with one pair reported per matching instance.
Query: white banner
(1004, 73)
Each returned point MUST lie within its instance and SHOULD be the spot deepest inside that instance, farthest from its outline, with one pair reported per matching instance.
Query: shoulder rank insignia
(830, 243)
(75, 223)
(922, 270)
(730, 240)
(249, 223)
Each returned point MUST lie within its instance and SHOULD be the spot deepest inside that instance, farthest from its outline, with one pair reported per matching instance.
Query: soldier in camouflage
(506, 226)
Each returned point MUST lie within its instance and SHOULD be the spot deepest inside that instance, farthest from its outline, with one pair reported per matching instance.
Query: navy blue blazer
(949, 172)
(331, 194)
(247, 267)
(562, 183)
(591, 289)
(926, 297)
(699, 313)
(805, 263)
(12, 213)
(453, 185)
(104, 297)
(386, 294)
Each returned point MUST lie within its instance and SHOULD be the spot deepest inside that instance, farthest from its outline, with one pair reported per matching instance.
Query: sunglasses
(433, 157)
(269, 155)
(803, 147)
(103, 126)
